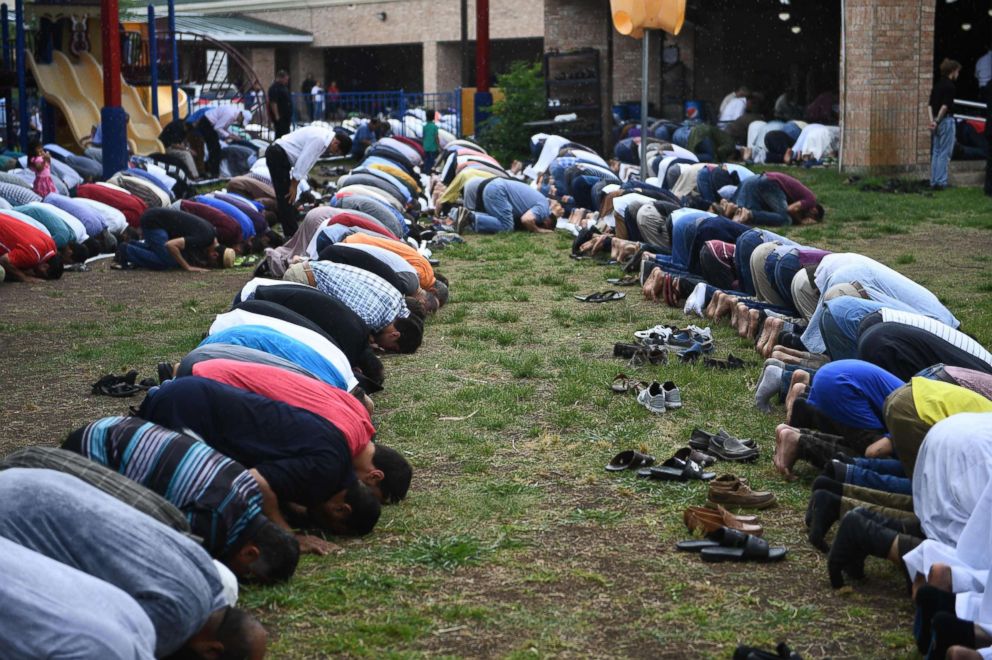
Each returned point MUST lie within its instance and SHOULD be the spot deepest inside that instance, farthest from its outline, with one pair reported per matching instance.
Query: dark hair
(235, 633)
(371, 366)
(79, 251)
(282, 73)
(55, 268)
(416, 308)
(441, 278)
(819, 212)
(33, 146)
(441, 291)
(411, 334)
(279, 553)
(949, 66)
(365, 509)
(344, 143)
(396, 472)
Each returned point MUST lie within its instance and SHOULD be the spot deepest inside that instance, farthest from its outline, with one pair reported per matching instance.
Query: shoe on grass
(652, 398)
(465, 220)
(728, 490)
(673, 397)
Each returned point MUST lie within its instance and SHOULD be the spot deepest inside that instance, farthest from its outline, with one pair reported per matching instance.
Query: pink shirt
(338, 407)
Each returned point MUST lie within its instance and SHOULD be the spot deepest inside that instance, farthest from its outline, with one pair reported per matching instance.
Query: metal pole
(175, 59)
(112, 117)
(645, 66)
(22, 95)
(466, 69)
(482, 46)
(8, 99)
(153, 59)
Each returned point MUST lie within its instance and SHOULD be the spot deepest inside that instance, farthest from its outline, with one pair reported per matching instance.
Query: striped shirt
(953, 337)
(372, 298)
(96, 475)
(18, 195)
(220, 498)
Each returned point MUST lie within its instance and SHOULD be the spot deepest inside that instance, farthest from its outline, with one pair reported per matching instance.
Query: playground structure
(113, 81)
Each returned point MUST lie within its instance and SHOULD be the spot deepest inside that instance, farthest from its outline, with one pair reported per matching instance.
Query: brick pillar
(430, 67)
(627, 54)
(887, 73)
(263, 61)
(571, 24)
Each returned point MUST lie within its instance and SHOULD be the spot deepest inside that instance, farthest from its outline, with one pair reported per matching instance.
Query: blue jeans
(792, 130)
(704, 183)
(840, 344)
(499, 216)
(429, 158)
(786, 269)
(879, 473)
(943, 148)
(746, 245)
(151, 252)
(766, 201)
(681, 136)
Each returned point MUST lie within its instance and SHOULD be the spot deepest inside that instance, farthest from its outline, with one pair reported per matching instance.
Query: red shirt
(794, 190)
(352, 220)
(24, 245)
(130, 205)
(338, 407)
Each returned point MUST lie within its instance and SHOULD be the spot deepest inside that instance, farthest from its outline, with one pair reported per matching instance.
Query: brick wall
(407, 22)
(885, 84)
(263, 61)
(574, 24)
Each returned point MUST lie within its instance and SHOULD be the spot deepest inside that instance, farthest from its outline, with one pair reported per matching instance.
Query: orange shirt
(423, 267)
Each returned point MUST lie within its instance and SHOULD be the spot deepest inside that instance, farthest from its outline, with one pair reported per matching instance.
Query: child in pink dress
(41, 162)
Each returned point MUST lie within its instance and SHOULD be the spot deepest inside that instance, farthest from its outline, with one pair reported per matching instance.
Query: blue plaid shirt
(373, 299)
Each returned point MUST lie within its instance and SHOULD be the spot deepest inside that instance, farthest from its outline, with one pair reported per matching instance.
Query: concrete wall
(885, 83)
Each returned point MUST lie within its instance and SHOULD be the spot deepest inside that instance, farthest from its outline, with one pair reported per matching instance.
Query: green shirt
(430, 137)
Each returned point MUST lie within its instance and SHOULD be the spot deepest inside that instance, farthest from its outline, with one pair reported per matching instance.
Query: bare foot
(795, 392)
(753, 318)
(786, 449)
(741, 316)
(779, 354)
(940, 577)
(653, 284)
(769, 333)
(800, 377)
(726, 308)
(625, 251)
(714, 304)
(879, 449)
(659, 285)
(793, 352)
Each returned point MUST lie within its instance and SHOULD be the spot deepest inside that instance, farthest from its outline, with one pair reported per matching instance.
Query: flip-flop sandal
(695, 545)
(738, 546)
(731, 362)
(120, 390)
(629, 460)
(621, 384)
(602, 297)
(634, 264)
(629, 280)
(675, 469)
(696, 456)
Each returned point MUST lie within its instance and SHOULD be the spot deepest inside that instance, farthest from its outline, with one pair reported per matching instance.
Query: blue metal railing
(396, 105)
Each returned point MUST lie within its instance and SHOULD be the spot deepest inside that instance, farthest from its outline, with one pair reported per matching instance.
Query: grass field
(514, 541)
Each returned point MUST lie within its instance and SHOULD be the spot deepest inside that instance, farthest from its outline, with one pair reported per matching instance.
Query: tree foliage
(503, 134)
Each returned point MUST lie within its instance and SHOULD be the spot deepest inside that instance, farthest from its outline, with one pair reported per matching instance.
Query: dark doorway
(376, 68)
(963, 32)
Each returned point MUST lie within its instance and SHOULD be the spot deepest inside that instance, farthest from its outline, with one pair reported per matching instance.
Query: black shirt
(277, 311)
(304, 457)
(179, 224)
(342, 254)
(279, 96)
(943, 94)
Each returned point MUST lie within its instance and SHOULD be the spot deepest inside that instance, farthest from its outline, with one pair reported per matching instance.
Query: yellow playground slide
(143, 128)
(60, 88)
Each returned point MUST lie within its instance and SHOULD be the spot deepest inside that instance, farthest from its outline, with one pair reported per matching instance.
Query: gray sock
(771, 379)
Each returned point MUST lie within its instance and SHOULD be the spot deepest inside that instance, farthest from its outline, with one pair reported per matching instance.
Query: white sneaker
(656, 336)
(653, 398)
(694, 303)
(673, 398)
(702, 335)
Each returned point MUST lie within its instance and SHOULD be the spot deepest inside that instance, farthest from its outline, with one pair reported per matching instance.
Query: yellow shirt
(454, 191)
(936, 400)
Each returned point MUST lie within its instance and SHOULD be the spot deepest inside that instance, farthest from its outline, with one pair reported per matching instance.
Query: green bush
(503, 134)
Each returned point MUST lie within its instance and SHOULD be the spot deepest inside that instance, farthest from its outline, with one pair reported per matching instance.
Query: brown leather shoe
(728, 490)
(708, 521)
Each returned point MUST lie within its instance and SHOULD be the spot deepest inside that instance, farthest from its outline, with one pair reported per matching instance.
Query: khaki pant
(905, 426)
(655, 228)
(764, 287)
(804, 294)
